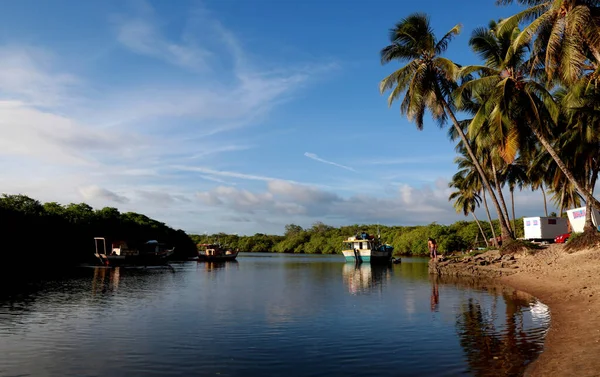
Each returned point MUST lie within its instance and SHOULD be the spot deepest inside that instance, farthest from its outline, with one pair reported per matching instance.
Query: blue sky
(234, 116)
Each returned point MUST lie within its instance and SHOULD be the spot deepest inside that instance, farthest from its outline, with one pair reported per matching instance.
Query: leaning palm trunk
(487, 211)
(487, 244)
(589, 203)
(506, 233)
(512, 202)
(545, 202)
(501, 196)
(561, 165)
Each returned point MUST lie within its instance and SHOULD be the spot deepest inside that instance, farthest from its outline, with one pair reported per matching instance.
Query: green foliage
(325, 239)
(51, 233)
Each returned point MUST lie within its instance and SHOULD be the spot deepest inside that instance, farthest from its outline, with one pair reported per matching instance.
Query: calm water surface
(267, 315)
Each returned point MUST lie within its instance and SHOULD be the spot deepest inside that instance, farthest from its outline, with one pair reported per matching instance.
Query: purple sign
(579, 213)
(527, 223)
(535, 222)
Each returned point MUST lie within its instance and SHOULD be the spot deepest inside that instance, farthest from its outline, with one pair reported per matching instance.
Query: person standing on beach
(432, 245)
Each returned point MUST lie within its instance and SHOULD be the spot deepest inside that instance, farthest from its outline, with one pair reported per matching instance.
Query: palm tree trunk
(512, 202)
(487, 211)
(501, 195)
(589, 203)
(562, 200)
(481, 230)
(506, 234)
(545, 201)
(561, 165)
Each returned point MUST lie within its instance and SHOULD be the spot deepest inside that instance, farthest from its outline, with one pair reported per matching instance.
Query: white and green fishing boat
(366, 248)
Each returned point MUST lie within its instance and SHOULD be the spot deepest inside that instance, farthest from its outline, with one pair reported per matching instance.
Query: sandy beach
(570, 285)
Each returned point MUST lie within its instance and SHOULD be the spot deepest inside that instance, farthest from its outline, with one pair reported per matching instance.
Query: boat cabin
(211, 249)
(361, 241)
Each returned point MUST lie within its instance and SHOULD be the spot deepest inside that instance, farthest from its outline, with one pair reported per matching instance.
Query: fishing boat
(364, 247)
(215, 252)
(150, 253)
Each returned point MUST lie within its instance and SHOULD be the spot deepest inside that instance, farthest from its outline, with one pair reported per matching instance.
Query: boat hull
(157, 259)
(367, 256)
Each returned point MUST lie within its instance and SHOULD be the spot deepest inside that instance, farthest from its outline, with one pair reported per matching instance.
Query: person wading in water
(432, 248)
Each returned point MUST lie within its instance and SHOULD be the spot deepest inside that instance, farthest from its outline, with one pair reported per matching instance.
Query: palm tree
(568, 42)
(427, 82)
(472, 179)
(514, 102)
(567, 35)
(465, 201)
(581, 141)
(515, 176)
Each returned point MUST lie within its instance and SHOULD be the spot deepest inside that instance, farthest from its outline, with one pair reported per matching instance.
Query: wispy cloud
(230, 174)
(317, 158)
(31, 75)
(425, 159)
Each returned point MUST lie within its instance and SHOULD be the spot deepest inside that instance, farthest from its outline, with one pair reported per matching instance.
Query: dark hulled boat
(211, 252)
(151, 253)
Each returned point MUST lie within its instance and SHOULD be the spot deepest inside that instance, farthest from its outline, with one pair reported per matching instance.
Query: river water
(267, 315)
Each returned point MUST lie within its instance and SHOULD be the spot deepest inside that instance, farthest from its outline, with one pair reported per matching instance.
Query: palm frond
(442, 45)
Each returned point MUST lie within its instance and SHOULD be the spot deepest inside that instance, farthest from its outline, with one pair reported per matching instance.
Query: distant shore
(569, 284)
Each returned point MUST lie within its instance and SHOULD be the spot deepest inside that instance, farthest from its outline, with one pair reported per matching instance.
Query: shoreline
(568, 283)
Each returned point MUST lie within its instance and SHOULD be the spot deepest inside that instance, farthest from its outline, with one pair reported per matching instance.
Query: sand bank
(569, 284)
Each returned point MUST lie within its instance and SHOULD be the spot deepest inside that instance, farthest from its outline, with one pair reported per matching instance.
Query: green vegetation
(531, 105)
(324, 239)
(54, 234)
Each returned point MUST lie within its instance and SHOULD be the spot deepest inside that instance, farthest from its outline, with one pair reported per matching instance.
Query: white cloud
(317, 158)
(31, 75)
(224, 173)
(141, 35)
(93, 193)
(28, 132)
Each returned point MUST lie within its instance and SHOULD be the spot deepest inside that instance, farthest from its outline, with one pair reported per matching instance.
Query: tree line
(324, 239)
(55, 234)
(531, 105)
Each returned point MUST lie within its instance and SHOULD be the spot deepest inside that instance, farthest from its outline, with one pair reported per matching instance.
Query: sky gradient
(233, 116)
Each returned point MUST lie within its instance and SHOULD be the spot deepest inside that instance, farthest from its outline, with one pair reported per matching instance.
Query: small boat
(366, 248)
(214, 252)
(151, 253)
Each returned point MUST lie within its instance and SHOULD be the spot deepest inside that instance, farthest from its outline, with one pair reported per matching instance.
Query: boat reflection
(365, 278)
(217, 266)
(105, 280)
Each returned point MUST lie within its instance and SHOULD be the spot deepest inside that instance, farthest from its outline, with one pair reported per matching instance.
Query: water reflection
(365, 278)
(502, 337)
(105, 280)
(216, 266)
(435, 295)
(276, 315)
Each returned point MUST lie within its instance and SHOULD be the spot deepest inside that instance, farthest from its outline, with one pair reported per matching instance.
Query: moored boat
(150, 253)
(214, 252)
(366, 248)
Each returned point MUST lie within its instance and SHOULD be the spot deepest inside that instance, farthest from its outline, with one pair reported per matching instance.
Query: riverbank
(568, 283)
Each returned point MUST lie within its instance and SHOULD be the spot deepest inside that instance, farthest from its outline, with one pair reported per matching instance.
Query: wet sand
(570, 285)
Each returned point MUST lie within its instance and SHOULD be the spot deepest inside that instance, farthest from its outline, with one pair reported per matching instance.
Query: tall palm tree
(539, 171)
(568, 43)
(581, 141)
(466, 201)
(427, 82)
(515, 176)
(514, 102)
(468, 174)
(566, 31)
